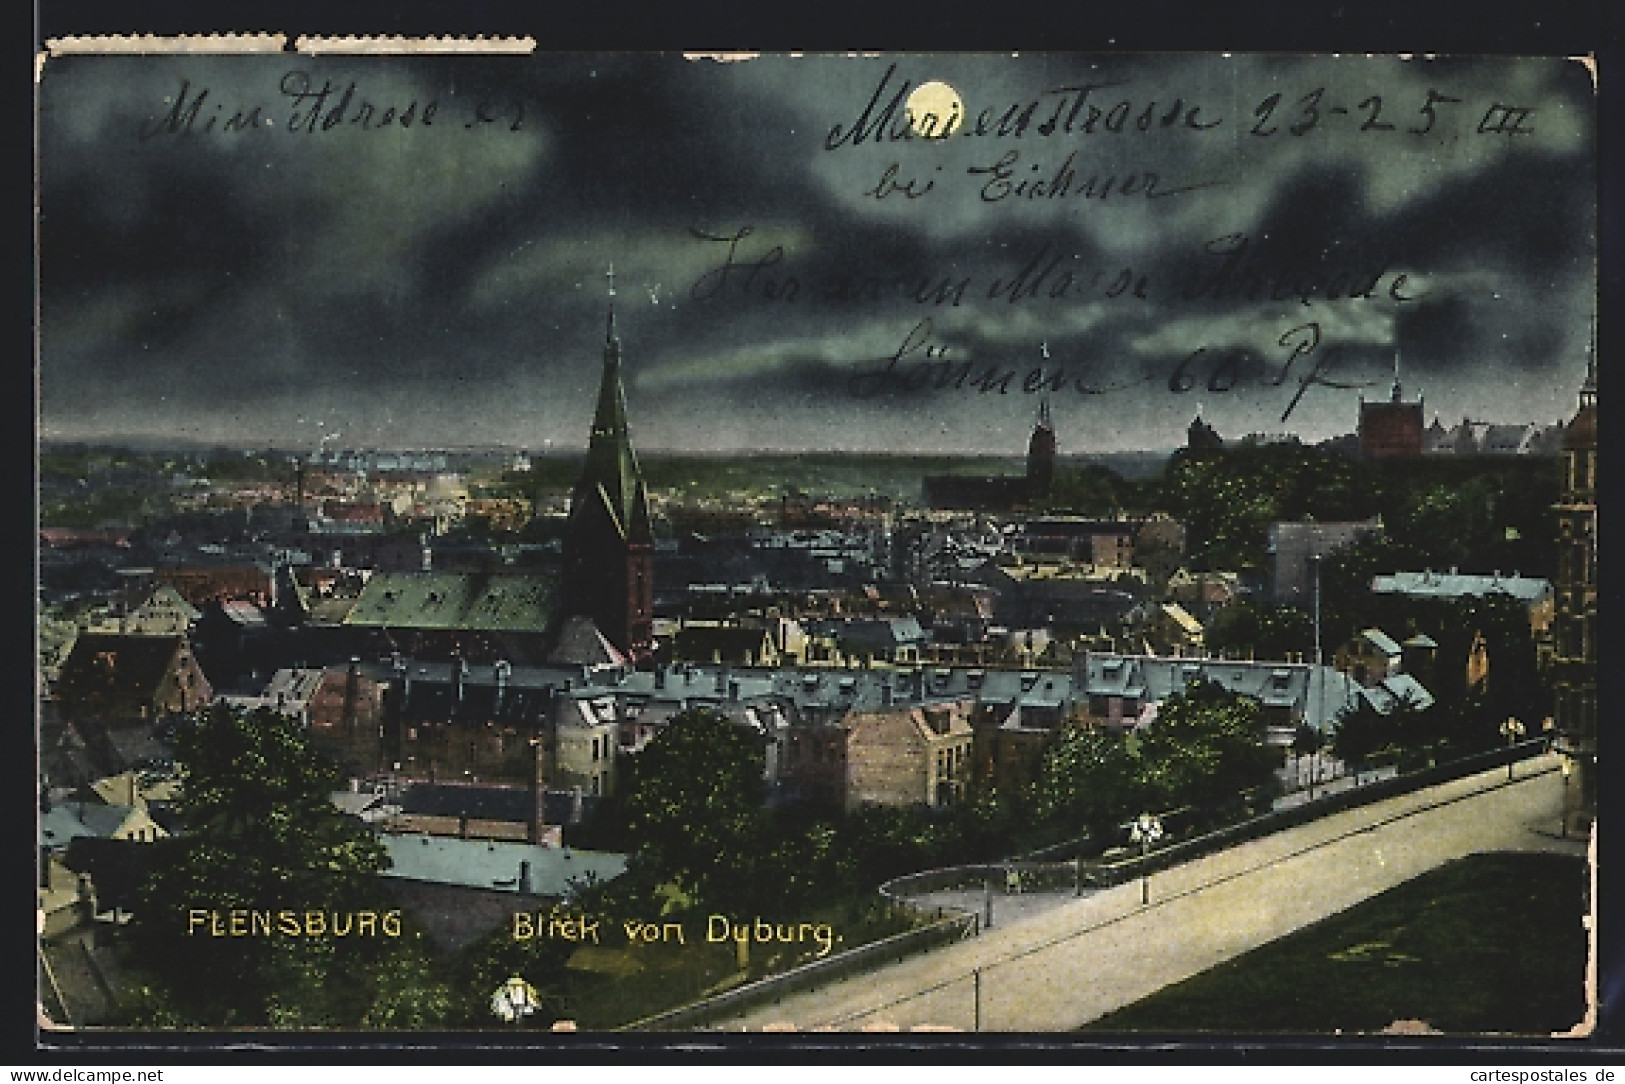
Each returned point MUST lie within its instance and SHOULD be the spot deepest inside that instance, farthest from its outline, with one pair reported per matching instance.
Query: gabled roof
(1395, 690)
(69, 821)
(581, 644)
(164, 597)
(1180, 616)
(1381, 641)
(244, 614)
(111, 665)
(468, 601)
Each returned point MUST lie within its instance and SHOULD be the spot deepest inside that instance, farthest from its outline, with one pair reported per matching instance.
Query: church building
(608, 544)
(1391, 430)
(1007, 493)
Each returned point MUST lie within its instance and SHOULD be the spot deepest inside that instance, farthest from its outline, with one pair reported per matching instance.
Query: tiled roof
(1182, 617)
(469, 601)
(581, 644)
(1526, 589)
(1394, 690)
(110, 665)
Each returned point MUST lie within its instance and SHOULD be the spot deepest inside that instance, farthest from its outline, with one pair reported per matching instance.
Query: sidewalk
(1085, 957)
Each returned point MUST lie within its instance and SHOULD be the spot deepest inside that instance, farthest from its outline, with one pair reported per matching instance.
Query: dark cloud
(445, 284)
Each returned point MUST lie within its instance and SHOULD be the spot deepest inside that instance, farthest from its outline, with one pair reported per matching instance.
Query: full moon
(935, 110)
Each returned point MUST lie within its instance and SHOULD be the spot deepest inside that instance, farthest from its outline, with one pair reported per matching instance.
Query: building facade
(1574, 660)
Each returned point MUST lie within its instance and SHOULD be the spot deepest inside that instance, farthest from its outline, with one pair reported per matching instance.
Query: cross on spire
(609, 322)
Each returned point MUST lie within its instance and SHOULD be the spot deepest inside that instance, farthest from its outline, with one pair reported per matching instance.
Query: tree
(695, 808)
(1087, 782)
(1261, 629)
(261, 838)
(1205, 749)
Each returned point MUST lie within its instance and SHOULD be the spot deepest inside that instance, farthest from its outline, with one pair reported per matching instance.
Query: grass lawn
(1490, 943)
(608, 987)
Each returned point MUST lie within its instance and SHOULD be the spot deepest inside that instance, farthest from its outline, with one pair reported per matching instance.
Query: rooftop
(494, 865)
(471, 601)
(1526, 589)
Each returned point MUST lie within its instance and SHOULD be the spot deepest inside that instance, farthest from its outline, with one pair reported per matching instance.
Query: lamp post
(1147, 829)
(1568, 770)
(1512, 729)
(514, 1000)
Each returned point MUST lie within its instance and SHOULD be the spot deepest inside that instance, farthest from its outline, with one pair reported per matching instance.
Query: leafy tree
(1261, 629)
(1087, 489)
(695, 807)
(1205, 749)
(1088, 781)
(260, 835)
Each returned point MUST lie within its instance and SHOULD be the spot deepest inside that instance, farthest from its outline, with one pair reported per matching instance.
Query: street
(1066, 965)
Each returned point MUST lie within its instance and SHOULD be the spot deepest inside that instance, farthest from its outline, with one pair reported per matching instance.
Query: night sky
(444, 285)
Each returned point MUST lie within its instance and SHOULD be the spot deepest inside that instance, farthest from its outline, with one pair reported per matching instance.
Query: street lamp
(1568, 770)
(1512, 729)
(514, 1000)
(1146, 830)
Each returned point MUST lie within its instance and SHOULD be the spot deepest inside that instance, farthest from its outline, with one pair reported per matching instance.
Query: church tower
(608, 543)
(1391, 430)
(1041, 455)
(1574, 655)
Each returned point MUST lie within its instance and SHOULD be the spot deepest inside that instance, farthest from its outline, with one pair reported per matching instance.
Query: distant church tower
(608, 544)
(1574, 656)
(1041, 455)
(1391, 430)
(1200, 436)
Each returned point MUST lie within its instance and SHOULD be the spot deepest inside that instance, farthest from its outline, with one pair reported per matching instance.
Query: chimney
(885, 694)
(462, 826)
(722, 679)
(660, 677)
(733, 689)
(524, 879)
(575, 805)
(502, 670)
(462, 677)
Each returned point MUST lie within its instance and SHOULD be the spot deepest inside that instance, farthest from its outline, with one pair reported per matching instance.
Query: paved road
(1060, 969)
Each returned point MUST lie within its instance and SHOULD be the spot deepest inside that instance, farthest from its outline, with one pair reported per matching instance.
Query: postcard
(531, 544)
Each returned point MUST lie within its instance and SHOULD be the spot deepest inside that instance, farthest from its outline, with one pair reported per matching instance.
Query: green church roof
(465, 601)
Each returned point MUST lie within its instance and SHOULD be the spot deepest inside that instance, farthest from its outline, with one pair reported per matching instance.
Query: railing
(774, 988)
(1375, 791)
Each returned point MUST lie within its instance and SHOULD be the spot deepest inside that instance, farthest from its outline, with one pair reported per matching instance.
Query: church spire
(612, 465)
